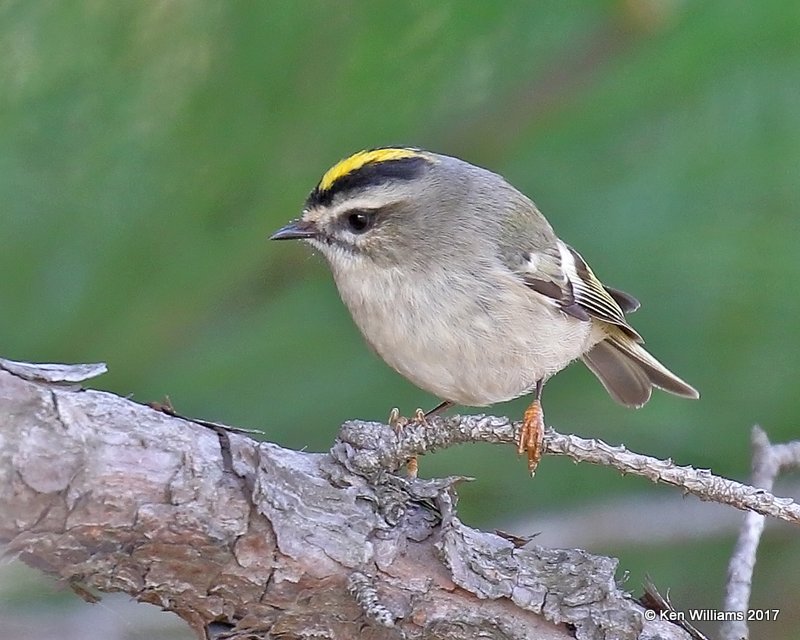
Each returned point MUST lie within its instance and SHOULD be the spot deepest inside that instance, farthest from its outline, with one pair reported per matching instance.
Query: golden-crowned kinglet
(460, 284)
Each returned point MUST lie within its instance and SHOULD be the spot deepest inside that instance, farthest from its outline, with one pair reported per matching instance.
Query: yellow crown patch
(358, 160)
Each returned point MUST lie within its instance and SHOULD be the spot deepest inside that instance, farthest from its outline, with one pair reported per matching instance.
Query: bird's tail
(629, 373)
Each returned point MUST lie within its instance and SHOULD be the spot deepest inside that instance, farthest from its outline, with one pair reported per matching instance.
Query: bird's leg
(444, 405)
(532, 432)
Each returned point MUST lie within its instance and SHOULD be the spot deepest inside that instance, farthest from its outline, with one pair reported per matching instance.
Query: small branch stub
(365, 593)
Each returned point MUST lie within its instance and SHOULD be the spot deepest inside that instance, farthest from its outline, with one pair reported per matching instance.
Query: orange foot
(531, 435)
(398, 423)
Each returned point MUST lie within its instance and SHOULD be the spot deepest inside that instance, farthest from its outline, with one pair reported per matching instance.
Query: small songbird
(460, 284)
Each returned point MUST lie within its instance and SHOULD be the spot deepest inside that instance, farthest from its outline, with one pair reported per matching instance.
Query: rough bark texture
(246, 539)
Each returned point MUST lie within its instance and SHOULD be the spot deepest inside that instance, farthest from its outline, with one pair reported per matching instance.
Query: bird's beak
(296, 230)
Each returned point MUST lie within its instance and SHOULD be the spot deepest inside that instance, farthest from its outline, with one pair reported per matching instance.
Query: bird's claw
(398, 423)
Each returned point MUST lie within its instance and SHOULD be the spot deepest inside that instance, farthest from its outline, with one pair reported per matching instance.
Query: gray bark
(247, 539)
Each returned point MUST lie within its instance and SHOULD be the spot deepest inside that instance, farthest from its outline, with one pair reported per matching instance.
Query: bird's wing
(562, 275)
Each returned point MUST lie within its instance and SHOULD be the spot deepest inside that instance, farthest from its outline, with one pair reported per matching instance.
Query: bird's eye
(360, 221)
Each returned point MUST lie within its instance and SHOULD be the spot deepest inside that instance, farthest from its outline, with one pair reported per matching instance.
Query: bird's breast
(473, 341)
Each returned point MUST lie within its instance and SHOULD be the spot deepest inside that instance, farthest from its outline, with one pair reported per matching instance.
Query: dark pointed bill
(295, 230)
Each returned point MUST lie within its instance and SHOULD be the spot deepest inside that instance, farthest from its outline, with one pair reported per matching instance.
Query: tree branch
(246, 539)
(365, 453)
(768, 461)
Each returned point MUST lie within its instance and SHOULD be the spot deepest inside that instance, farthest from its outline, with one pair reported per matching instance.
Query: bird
(459, 283)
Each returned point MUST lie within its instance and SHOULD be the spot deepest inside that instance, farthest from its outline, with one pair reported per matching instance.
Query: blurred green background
(148, 149)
